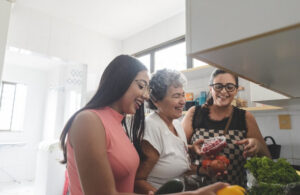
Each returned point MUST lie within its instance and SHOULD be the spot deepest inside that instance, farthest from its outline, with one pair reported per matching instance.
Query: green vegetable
(268, 171)
(272, 177)
(267, 189)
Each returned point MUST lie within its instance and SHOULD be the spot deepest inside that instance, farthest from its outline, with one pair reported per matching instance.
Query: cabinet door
(257, 40)
(259, 93)
(4, 21)
(214, 23)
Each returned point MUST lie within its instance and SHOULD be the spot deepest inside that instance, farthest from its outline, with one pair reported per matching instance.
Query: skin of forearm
(263, 150)
(142, 186)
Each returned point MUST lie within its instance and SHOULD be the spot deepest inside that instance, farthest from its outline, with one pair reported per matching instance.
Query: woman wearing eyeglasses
(243, 136)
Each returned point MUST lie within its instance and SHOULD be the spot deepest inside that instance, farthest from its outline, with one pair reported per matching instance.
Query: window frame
(2, 83)
(154, 49)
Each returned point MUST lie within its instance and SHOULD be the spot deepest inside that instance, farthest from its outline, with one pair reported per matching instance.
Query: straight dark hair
(116, 79)
(213, 75)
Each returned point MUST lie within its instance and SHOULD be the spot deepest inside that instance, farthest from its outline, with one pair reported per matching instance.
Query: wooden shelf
(258, 108)
(262, 108)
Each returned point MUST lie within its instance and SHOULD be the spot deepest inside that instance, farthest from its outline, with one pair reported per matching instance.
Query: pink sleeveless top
(123, 158)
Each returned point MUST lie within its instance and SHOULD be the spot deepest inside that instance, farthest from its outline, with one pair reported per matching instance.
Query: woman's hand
(196, 147)
(251, 146)
(150, 193)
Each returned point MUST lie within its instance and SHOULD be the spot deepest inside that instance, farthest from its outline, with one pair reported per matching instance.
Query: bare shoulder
(86, 116)
(249, 116)
(189, 115)
(192, 109)
(187, 122)
(86, 125)
(190, 112)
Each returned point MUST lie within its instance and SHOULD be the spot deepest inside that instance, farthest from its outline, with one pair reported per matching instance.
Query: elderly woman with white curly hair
(164, 144)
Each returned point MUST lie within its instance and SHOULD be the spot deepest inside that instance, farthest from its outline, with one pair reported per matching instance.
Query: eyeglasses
(143, 85)
(229, 87)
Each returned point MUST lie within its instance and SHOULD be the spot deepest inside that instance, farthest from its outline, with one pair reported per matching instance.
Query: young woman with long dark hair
(100, 158)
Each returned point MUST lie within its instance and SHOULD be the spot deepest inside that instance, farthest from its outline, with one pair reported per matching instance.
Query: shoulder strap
(228, 123)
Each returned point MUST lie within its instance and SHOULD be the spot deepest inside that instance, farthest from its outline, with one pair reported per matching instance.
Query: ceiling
(118, 19)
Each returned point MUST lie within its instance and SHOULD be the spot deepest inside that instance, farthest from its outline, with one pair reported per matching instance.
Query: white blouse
(174, 159)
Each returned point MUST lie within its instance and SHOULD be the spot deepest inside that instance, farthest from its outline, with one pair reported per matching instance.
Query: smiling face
(135, 95)
(171, 106)
(223, 97)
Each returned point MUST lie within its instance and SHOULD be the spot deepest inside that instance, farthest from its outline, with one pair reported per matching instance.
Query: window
(170, 55)
(145, 59)
(173, 57)
(12, 106)
(198, 63)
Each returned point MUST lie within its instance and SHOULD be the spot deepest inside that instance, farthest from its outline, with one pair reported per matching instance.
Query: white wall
(41, 33)
(288, 139)
(169, 29)
(4, 21)
(52, 37)
(19, 160)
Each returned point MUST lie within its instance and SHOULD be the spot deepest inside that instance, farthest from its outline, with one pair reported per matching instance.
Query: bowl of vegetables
(273, 177)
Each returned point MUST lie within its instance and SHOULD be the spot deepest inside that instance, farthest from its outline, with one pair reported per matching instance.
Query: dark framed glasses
(229, 87)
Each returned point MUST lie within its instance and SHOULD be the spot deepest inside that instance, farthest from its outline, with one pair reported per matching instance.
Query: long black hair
(116, 79)
(213, 75)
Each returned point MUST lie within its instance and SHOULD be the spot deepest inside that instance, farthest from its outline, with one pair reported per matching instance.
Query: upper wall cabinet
(257, 40)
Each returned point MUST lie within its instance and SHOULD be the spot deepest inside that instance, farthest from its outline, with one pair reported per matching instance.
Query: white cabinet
(257, 40)
(5, 8)
(258, 93)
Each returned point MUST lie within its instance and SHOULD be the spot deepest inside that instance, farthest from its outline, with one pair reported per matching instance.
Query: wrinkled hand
(196, 147)
(251, 146)
(211, 189)
(150, 193)
(212, 173)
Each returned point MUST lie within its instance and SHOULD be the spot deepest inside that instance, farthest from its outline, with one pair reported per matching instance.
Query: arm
(151, 158)
(254, 144)
(188, 129)
(187, 123)
(87, 137)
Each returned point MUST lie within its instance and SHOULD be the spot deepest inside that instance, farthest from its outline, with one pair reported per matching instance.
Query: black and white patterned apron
(207, 128)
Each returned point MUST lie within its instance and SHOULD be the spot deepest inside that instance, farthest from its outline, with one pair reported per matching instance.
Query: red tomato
(224, 159)
(218, 166)
(206, 163)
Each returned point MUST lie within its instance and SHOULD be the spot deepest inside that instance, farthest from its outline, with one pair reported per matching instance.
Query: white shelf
(198, 72)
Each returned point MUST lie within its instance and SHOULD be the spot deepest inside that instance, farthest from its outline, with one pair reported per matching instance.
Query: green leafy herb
(268, 171)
